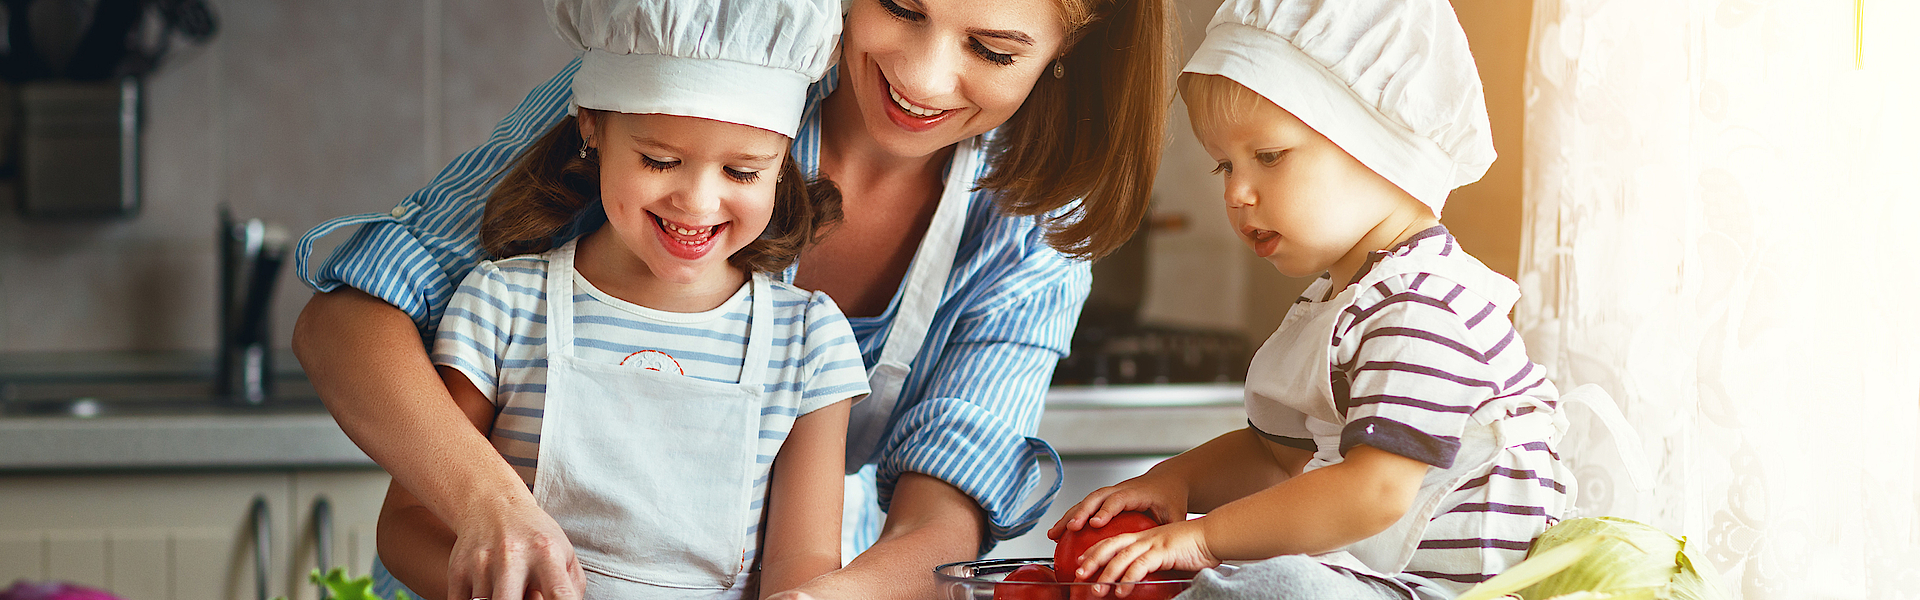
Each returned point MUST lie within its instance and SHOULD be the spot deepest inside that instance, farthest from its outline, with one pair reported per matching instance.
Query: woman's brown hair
(550, 184)
(1095, 133)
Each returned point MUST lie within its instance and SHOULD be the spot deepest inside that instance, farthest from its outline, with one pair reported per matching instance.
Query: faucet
(250, 256)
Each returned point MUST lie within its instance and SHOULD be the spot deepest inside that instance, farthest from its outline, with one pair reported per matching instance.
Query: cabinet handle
(322, 537)
(262, 543)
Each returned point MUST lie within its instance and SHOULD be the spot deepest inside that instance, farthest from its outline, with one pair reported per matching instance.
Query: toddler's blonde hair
(1214, 101)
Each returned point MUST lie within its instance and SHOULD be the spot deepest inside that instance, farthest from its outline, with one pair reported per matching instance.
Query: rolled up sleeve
(975, 428)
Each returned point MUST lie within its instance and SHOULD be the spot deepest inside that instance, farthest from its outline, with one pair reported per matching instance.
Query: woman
(960, 345)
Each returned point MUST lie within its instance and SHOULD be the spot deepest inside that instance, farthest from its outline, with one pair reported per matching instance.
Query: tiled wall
(296, 112)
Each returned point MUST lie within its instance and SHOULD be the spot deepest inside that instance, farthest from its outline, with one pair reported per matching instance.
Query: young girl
(678, 413)
(1400, 440)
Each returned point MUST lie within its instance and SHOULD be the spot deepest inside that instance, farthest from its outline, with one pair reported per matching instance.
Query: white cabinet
(184, 536)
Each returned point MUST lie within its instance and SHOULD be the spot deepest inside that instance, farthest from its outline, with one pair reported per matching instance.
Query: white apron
(649, 473)
(1289, 378)
(924, 288)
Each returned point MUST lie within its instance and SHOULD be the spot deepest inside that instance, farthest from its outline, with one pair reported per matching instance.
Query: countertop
(1080, 421)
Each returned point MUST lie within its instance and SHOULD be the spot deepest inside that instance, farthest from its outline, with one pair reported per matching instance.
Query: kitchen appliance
(976, 580)
(1112, 347)
(76, 66)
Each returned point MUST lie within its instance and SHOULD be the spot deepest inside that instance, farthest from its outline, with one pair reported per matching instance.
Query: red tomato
(1162, 591)
(1072, 544)
(1033, 573)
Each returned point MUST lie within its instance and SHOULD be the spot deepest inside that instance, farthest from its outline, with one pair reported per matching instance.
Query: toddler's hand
(1165, 499)
(1132, 556)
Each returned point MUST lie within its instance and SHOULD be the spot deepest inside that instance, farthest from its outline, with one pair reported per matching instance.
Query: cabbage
(1604, 558)
(341, 588)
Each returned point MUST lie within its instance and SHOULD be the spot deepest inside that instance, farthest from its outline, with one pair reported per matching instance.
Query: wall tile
(492, 53)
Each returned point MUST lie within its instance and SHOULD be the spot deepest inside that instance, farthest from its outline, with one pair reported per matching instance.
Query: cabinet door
(354, 498)
(143, 537)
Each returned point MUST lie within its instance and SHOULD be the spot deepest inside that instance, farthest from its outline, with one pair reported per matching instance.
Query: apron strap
(560, 300)
(753, 368)
(925, 286)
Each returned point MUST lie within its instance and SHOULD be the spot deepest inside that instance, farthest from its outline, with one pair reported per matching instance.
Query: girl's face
(684, 193)
(1296, 198)
(926, 74)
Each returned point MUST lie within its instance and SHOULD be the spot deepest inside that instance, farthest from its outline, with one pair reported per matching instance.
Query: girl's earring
(1059, 70)
(583, 147)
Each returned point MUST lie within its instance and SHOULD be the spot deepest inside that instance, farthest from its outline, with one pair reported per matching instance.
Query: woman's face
(929, 73)
(683, 194)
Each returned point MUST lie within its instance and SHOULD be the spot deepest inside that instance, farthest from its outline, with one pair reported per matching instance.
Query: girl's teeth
(909, 107)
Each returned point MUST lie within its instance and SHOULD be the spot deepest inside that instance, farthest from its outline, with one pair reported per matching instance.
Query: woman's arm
(806, 500)
(930, 523)
(366, 361)
(412, 542)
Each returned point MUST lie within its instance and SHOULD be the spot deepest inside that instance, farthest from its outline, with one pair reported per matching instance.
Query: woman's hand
(1132, 556)
(510, 550)
(1163, 496)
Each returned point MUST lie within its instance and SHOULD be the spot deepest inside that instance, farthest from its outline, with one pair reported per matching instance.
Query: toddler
(1400, 442)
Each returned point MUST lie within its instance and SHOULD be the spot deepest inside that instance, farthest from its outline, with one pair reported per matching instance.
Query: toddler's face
(1293, 196)
(685, 193)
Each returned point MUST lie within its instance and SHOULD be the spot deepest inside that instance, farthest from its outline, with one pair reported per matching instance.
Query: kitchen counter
(1130, 420)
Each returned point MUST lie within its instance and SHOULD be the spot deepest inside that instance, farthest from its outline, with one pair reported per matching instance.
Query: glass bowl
(978, 580)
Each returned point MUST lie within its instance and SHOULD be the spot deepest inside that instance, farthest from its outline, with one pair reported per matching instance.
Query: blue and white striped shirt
(968, 411)
(495, 333)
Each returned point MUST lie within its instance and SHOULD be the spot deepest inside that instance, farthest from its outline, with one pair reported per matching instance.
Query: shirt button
(399, 211)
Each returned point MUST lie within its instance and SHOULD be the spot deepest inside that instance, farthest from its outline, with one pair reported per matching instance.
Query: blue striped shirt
(969, 410)
(495, 333)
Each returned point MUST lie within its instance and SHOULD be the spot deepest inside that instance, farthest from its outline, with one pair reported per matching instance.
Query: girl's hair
(1094, 134)
(550, 184)
(1215, 101)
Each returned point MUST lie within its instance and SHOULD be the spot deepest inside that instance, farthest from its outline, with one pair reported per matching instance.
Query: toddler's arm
(1319, 511)
(1224, 469)
(805, 501)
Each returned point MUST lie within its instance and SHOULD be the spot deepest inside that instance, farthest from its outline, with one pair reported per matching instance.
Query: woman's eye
(1223, 168)
(997, 58)
(900, 12)
(742, 176)
(1270, 158)
(658, 164)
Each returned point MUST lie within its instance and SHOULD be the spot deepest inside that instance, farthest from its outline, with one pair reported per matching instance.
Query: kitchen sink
(144, 396)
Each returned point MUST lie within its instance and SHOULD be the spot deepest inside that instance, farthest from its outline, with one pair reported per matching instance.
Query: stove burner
(1146, 354)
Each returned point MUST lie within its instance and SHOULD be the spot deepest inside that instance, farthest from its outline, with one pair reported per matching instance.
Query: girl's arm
(412, 542)
(366, 360)
(805, 501)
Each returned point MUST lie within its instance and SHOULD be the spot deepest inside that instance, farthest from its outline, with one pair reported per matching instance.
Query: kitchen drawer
(183, 536)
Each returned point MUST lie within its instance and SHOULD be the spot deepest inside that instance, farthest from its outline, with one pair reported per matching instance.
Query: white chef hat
(1392, 82)
(739, 61)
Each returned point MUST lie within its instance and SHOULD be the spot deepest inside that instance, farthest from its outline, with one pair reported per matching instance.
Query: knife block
(79, 149)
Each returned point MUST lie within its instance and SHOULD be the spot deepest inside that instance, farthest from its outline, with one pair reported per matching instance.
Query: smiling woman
(1078, 98)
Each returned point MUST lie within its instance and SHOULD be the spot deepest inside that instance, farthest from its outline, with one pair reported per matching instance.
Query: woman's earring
(583, 147)
(1059, 70)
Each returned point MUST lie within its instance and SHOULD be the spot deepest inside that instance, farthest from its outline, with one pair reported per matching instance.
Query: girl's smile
(682, 195)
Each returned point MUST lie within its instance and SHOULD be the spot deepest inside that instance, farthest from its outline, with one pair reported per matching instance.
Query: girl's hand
(1164, 497)
(1132, 556)
(514, 553)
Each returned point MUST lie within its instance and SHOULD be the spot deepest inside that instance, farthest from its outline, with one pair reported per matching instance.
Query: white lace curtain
(1721, 215)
